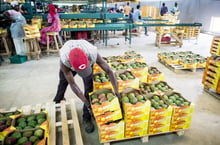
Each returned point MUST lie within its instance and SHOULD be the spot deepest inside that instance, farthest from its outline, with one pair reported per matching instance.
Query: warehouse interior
(36, 81)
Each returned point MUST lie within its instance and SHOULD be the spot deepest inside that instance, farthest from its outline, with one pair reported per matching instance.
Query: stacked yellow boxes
(211, 77)
(215, 48)
(160, 115)
(107, 112)
(126, 79)
(31, 31)
(154, 75)
(190, 32)
(136, 112)
(185, 58)
(182, 110)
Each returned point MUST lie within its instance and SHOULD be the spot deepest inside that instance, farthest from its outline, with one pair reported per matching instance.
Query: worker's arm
(70, 79)
(6, 14)
(100, 61)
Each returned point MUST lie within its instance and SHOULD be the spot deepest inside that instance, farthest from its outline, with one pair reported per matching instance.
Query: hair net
(14, 3)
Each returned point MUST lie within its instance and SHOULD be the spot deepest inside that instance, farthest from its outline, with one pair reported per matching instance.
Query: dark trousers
(88, 86)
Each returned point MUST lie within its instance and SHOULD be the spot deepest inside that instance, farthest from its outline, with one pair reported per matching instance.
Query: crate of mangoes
(154, 75)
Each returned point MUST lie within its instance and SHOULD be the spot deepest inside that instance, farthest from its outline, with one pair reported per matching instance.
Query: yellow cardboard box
(154, 130)
(105, 106)
(138, 128)
(155, 77)
(180, 125)
(123, 84)
(136, 115)
(111, 131)
(108, 116)
(106, 85)
(140, 72)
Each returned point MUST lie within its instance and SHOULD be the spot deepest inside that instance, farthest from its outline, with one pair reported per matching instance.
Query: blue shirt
(136, 15)
(163, 10)
(174, 9)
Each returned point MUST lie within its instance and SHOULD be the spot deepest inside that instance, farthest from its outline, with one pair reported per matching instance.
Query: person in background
(163, 9)
(54, 22)
(131, 13)
(112, 10)
(17, 32)
(175, 9)
(137, 18)
(121, 8)
(78, 57)
(116, 7)
(127, 9)
(75, 9)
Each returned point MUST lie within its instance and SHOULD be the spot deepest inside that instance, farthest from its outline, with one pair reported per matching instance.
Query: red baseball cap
(79, 61)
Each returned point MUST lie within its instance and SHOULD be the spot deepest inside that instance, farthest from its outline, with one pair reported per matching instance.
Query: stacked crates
(215, 48)
(190, 32)
(211, 77)
(147, 104)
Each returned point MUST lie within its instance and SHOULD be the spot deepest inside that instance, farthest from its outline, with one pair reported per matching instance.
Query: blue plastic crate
(18, 59)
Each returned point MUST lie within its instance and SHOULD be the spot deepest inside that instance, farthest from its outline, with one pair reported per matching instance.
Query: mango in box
(132, 52)
(139, 69)
(127, 58)
(157, 87)
(111, 59)
(154, 75)
(111, 131)
(104, 100)
(179, 104)
(25, 122)
(108, 117)
(137, 57)
(134, 101)
(126, 79)
(28, 137)
(10, 114)
(160, 114)
(101, 81)
(119, 66)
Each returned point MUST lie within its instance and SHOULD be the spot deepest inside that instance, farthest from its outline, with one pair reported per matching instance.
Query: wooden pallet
(145, 138)
(212, 92)
(68, 123)
(179, 68)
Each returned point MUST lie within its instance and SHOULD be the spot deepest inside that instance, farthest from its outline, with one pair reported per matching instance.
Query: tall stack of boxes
(107, 113)
(215, 48)
(146, 108)
(211, 77)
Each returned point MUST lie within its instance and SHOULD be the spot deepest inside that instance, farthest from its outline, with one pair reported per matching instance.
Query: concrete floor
(36, 82)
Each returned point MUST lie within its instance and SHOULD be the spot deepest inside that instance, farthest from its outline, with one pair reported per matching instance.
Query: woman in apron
(16, 29)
